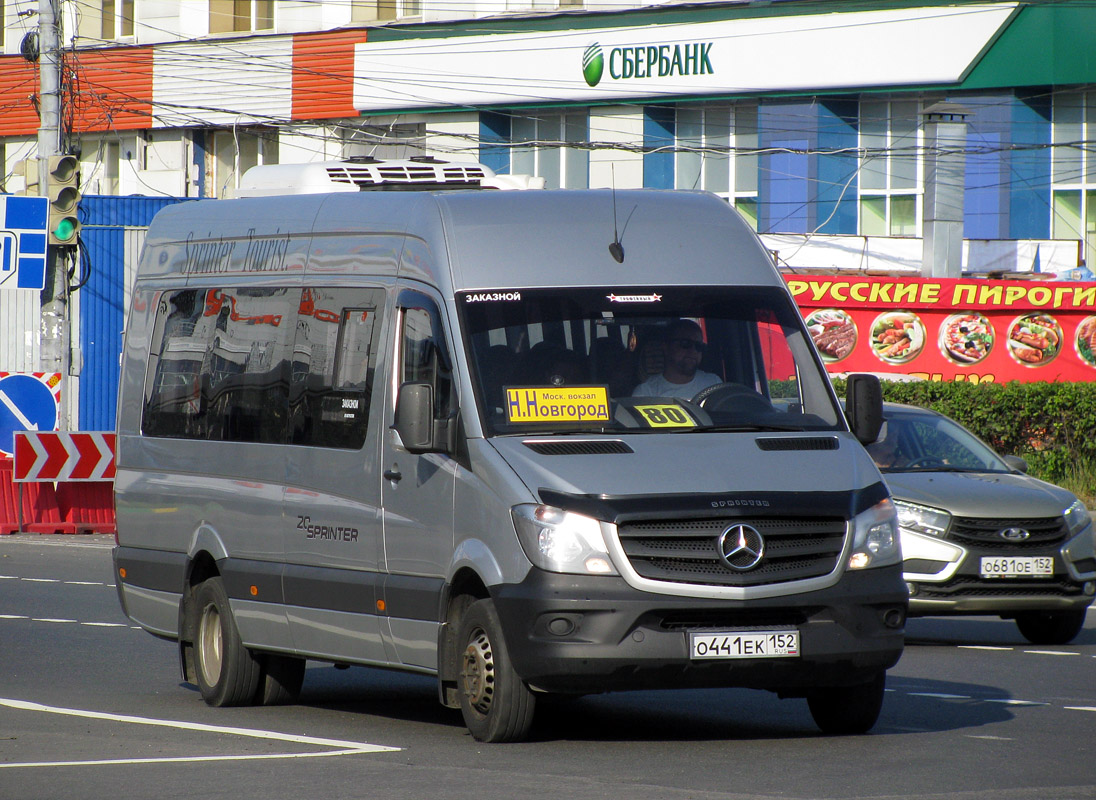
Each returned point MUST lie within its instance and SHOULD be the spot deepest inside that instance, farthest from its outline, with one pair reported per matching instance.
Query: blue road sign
(26, 404)
(23, 223)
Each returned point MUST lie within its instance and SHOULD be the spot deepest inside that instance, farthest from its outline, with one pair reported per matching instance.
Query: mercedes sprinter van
(531, 443)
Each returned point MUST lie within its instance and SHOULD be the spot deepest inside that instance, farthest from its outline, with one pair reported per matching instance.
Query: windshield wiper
(746, 427)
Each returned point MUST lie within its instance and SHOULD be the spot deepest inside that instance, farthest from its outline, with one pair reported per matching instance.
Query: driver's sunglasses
(690, 344)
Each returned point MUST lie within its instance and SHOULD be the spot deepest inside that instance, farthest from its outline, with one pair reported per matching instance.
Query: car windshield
(662, 359)
(916, 441)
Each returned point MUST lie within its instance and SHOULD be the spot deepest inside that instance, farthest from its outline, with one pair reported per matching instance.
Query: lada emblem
(741, 547)
(1013, 534)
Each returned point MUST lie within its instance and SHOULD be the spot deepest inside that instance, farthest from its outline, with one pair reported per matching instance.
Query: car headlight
(1076, 517)
(922, 519)
(562, 541)
(875, 537)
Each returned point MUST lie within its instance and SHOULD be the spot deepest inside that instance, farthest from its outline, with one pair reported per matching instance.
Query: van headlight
(922, 519)
(1076, 517)
(875, 537)
(562, 541)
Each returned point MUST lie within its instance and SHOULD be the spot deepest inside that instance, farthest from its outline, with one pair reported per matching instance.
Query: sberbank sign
(647, 61)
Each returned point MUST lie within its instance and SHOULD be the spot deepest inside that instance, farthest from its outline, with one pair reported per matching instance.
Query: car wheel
(228, 674)
(496, 704)
(848, 710)
(1050, 627)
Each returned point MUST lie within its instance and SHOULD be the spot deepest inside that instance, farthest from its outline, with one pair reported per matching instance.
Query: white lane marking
(940, 696)
(990, 738)
(1051, 653)
(12, 616)
(343, 747)
(105, 624)
(982, 647)
(84, 583)
(181, 759)
(1010, 702)
(41, 580)
(1080, 708)
(47, 619)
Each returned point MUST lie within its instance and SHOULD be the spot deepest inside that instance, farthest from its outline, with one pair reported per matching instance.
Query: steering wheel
(727, 396)
(925, 461)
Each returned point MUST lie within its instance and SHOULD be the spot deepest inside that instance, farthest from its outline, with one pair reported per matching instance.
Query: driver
(681, 376)
(886, 451)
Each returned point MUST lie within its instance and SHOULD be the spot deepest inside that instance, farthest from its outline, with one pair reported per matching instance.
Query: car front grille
(986, 532)
(971, 586)
(687, 551)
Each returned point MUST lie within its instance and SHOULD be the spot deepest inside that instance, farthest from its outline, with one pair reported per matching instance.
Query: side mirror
(864, 407)
(414, 420)
(1016, 464)
(419, 431)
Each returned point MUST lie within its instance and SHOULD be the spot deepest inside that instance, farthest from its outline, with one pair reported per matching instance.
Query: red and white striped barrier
(63, 456)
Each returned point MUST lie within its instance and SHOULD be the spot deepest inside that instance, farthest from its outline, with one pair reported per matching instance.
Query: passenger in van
(681, 374)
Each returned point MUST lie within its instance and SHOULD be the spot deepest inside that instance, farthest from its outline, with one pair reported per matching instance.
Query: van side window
(334, 358)
(263, 365)
(173, 385)
(424, 355)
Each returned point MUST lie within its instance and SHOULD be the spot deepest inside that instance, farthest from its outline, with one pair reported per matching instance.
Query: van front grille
(687, 551)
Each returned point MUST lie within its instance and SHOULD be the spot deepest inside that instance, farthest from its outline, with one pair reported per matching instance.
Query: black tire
(1050, 627)
(848, 710)
(496, 704)
(281, 680)
(228, 674)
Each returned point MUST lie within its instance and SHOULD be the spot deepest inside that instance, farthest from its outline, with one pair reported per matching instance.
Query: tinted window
(334, 360)
(263, 365)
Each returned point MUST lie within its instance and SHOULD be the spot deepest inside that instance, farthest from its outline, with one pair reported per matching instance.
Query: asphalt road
(91, 707)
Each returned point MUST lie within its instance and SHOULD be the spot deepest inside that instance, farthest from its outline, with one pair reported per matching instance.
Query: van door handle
(393, 474)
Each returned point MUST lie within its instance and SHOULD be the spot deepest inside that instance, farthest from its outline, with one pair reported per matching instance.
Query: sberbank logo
(593, 64)
(648, 61)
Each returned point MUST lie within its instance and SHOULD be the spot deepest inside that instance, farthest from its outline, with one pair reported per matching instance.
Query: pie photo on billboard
(834, 333)
(897, 337)
(966, 338)
(1034, 339)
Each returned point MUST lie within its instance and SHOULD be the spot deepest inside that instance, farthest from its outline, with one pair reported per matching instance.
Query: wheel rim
(209, 645)
(478, 672)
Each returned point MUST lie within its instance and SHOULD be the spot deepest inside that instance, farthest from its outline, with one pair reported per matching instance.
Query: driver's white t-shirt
(658, 386)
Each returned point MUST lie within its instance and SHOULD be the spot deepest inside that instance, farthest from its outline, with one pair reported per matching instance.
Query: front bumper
(576, 634)
(945, 578)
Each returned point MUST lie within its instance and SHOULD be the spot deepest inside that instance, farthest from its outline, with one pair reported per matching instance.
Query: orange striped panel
(323, 74)
(113, 89)
(18, 84)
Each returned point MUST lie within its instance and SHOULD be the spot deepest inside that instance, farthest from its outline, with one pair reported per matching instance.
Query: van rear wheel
(848, 710)
(496, 704)
(228, 674)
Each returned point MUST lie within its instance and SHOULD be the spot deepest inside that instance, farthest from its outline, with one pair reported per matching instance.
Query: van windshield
(644, 359)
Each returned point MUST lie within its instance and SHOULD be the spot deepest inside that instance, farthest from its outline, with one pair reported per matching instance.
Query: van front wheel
(228, 674)
(496, 704)
(847, 710)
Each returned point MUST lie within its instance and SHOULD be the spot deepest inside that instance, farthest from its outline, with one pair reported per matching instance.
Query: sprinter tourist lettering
(573, 404)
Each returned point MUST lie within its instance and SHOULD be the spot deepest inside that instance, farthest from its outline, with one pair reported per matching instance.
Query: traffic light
(63, 191)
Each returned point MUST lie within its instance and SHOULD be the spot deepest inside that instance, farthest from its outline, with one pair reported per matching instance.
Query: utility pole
(54, 351)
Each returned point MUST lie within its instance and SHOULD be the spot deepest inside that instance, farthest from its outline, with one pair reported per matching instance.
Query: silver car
(978, 535)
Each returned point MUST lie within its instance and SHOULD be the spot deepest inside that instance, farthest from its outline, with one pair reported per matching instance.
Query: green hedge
(1052, 425)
